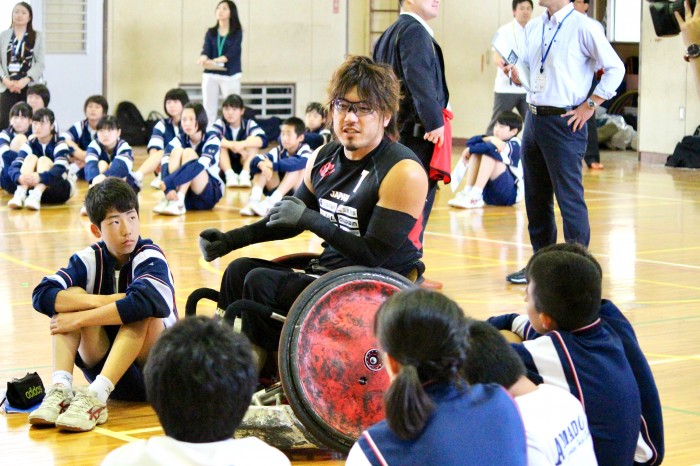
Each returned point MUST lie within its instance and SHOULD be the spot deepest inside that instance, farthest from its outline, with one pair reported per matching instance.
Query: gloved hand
(286, 213)
(214, 244)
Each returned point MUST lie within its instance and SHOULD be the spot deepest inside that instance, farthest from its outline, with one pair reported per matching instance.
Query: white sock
(102, 387)
(181, 198)
(64, 378)
(21, 190)
(467, 189)
(256, 194)
(138, 176)
(477, 191)
(275, 197)
(229, 174)
(244, 175)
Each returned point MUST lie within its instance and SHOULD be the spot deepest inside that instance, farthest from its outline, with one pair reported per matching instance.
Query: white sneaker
(17, 201)
(232, 181)
(261, 208)
(458, 199)
(471, 201)
(55, 403)
(155, 184)
(33, 201)
(174, 208)
(84, 413)
(160, 206)
(248, 211)
(244, 181)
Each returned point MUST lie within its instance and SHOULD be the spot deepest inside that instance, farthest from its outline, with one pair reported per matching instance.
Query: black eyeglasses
(345, 106)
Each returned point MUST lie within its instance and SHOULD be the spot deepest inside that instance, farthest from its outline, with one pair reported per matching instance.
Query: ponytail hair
(425, 333)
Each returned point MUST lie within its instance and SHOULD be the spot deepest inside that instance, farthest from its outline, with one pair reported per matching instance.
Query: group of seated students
(193, 160)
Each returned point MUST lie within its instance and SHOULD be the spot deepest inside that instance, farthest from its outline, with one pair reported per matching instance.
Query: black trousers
(7, 100)
(254, 286)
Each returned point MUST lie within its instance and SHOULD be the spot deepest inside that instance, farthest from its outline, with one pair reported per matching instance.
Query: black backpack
(686, 154)
(134, 127)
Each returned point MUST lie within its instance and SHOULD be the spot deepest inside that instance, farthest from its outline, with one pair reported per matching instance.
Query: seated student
(107, 308)
(12, 139)
(181, 386)
(280, 171)
(83, 132)
(240, 137)
(494, 172)
(163, 132)
(190, 166)
(432, 415)
(38, 96)
(555, 424)
(40, 169)
(109, 155)
(580, 352)
(316, 132)
(353, 196)
(650, 447)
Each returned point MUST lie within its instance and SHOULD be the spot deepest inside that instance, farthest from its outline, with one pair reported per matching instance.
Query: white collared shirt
(420, 20)
(513, 35)
(573, 56)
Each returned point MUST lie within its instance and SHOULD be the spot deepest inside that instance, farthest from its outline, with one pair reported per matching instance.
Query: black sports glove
(287, 212)
(215, 243)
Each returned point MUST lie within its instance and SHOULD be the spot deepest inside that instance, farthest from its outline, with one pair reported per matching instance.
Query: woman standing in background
(221, 58)
(21, 59)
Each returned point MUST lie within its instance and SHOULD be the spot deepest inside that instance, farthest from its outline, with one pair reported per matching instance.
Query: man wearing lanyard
(561, 51)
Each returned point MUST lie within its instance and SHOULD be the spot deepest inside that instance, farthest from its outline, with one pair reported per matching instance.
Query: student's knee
(254, 161)
(188, 155)
(17, 142)
(44, 164)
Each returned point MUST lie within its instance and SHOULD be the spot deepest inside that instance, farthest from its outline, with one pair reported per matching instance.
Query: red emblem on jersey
(327, 169)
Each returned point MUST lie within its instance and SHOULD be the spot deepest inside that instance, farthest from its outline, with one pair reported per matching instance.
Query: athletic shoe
(261, 208)
(244, 182)
(17, 201)
(232, 181)
(84, 413)
(518, 277)
(55, 403)
(248, 211)
(469, 201)
(160, 206)
(33, 201)
(459, 197)
(174, 208)
(155, 184)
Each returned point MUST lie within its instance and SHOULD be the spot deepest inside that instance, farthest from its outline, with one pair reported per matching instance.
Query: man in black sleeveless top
(362, 194)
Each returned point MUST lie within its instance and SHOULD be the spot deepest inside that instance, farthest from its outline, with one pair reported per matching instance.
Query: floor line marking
(116, 435)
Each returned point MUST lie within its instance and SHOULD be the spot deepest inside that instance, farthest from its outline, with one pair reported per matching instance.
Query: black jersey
(348, 191)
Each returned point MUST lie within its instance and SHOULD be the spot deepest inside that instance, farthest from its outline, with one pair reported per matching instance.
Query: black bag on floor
(25, 392)
(686, 154)
(134, 127)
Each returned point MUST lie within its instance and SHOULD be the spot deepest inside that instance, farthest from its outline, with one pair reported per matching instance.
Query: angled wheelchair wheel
(329, 360)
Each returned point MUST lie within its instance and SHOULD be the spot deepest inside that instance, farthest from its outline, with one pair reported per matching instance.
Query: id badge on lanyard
(540, 82)
(15, 64)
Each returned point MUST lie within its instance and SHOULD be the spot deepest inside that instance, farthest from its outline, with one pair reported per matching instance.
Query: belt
(543, 110)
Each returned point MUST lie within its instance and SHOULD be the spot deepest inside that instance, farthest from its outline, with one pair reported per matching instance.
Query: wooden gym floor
(645, 223)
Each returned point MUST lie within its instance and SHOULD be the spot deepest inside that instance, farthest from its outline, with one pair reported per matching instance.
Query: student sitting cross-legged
(40, 170)
(280, 171)
(190, 167)
(107, 308)
(200, 377)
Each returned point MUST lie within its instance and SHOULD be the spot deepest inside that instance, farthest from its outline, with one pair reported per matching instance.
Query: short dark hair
(575, 248)
(510, 119)
(490, 358)
(176, 94)
(376, 84)
(44, 114)
(108, 122)
(567, 288)
(233, 101)
(112, 193)
(21, 109)
(425, 332)
(99, 100)
(200, 377)
(40, 90)
(517, 2)
(317, 107)
(199, 114)
(297, 123)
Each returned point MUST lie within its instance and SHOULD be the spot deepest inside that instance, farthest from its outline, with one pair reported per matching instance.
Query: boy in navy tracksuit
(316, 132)
(280, 171)
(650, 448)
(83, 132)
(107, 308)
(12, 139)
(579, 350)
(40, 170)
(240, 139)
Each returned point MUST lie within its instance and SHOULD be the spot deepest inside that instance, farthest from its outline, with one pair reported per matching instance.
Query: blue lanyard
(18, 47)
(546, 53)
(220, 43)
